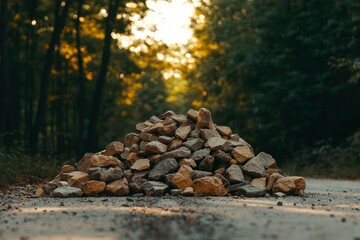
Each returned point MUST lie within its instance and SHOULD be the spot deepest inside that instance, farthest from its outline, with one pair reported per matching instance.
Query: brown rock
(179, 118)
(242, 153)
(209, 186)
(187, 162)
(153, 127)
(78, 179)
(222, 156)
(259, 182)
(130, 139)
(272, 179)
(135, 148)
(220, 170)
(182, 178)
(67, 169)
(96, 160)
(271, 171)
(176, 143)
(92, 187)
(216, 143)
(181, 152)
(233, 162)
(182, 132)
(143, 125)
(114, 148)
(167, 114)
(154, 119)
(167, 130)
(192, 114)
(155, 159)
(223, 179)
(285, 185)
(147, 137)
(224, 130)
(155, 147)
(40, 193)
(300, 185)
(188, 191)
(165, 139)
(141, 164)
(204, 119)
(207, 164)
(118, 187)
(206, 134)
(194, 144)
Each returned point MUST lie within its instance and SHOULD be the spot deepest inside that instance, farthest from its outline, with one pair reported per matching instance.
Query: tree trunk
(39, 123)
(96, 101)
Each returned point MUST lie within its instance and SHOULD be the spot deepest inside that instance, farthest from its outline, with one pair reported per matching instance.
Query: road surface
(330, 210)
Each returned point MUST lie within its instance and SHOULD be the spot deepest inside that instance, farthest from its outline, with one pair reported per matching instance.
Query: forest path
(330, 210)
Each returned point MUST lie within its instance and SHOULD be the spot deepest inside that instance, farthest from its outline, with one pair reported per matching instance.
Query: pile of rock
(176, 154)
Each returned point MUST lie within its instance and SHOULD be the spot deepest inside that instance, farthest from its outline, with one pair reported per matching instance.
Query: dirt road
(330, 210)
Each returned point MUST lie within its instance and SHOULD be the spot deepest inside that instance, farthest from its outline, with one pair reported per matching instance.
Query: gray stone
(155, 147)
(199, 174)
(49, 187)
(204, 119)
(155, 188)
(179, 118)
(162, 168)
(267, 160)
(222, 156)
(130, 139)
(234, 174)
(175, 192)
(165, 139)
(254, 168)
(67, 192)
(206, 134)
(181, 152)
(154, 119)
(223, 179)
(194, 144)
(251, 191)
(207, 164)
(111, 175)
(168, 130)
(168, 178)
(234, 187)
(182, 132)
(217, 143)
(200, 154)
(96, 172)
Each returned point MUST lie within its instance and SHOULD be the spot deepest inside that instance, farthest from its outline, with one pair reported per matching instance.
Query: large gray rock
(179, 118)
(218, 143)
(164, 167)
(204, 119)
(200, 154)
(234, 187)
(199, 174)
(50, 187)
(194, 144)
(155, 188)
(67, 192)
(111, 175)
(254, 168)
(234, 174)
(181, 152)
(155, 147)
(251, 191)
(206, 134)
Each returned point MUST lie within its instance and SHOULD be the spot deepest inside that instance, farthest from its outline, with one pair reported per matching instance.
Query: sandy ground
(330, 210)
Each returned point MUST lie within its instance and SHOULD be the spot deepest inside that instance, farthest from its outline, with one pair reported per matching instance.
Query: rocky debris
(175, 154)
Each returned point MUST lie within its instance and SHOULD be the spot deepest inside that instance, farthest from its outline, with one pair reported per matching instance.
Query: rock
(168, 178)
(167, 130)
(216, 143)
(254, 168)
(200, 154)
(182, 132)
(165, 139)
(192, 114)
(195, 133)
(49, 187)
(272, 179)
(111, 174)
(181, 152)
(118, 187)
(96, 160)
(143, 125)
(182, 178)
(155, 159)
(130, 139)
(234, 187)
(96, 172)
(114, 148)
(234, 174)
(200, 174)
(167, 114)
(40, 192)
(194, 144)
(285, 185)
(93, 187)
(154, 119)
(234, 137)
(78, 179)
(270, 171)
(162, 168)
(251, 191)
(220, 170)
(207, 164)
(222, 156)
(187, 162)
(153, 128)
(279, 194)
(224, 130)
(175, 192)
(209, 186)
(223, 179)
(67, 169)
(267, 160)
(136, 184)
(179, 118)
(300, 185)
(134, 148)
(147, 137)
(242, 153)
(67, 192)
(259, 182)
(155, 188)
(141, 164)
(188, 191)
(128, 174)
(206, 134)
(176, 143)
(155, 147)
(204, 119)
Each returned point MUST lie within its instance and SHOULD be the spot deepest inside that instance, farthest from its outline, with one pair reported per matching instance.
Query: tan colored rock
(165, 139)
(259, 182)
(40, 192)
(167, 130)
(187, 162)
(217, 143)
(114, 148)
(182, 178)
(206, 134)
(182, 132)
(93, 187)
(192, 114)
(188, 191)
(78, 179)
(131, 138)
(220, 170)
(118, 187)
(271, 171)
(147, 137)
(242, 153)
(155, 147)
(67, 169)
(224, 130)
(179, 118)
(285, 185)
(204, 119)
(143, 125)
(96, 160)
(233, 162)
(141, 164)
(300, 185)
(272, 179)
(209, 186)
(176, 143)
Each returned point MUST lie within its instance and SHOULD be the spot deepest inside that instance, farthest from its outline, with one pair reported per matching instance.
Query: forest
(283, 74)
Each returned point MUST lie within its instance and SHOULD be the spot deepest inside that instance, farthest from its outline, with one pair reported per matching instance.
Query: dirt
(330, 210)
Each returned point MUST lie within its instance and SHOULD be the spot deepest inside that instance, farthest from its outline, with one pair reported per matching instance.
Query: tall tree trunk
(44, 83)
(81, 82)
(96, 101)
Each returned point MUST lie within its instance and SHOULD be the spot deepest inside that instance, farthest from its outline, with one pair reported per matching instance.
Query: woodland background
(283, 74)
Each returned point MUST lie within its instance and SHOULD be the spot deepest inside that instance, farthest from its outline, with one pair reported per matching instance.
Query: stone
(222, 156)
(40, 192)
(270, 171)
(234, 174)
(223, 179)
(168, 178)
(130, 139)
(165, 139)
(155, 188)
(128, 174)
(206, 134)
(141, 164)
(195, 133)
(267, 160)
(217, 143)
(155, 147)
(251, 191)
(136, 184)
(206, 164)
(300, 185)
(234, 187)
(279, 194)
(175, 192)
(181, 152)
(93, 187)
(200, 174)
(134, 148)
(285, 185)
(167, 130)
(143, 125)
(235, 137)
(154, 119)
(259, 182)
(95, 172)
(167, 114)
(194, 144)
(272, 179)
(188, 191)
(147, 137)
(242, 154)
(176, 143)
(179, 118)
(224, 130)
(200, 154)
(96, 160)
(192, 114)
(204, 119)
(49, 187)
(209, 186)
(168, 120)
(155, 159)
(182, 178)
(187, 162)
(153, 128)
(254, 168)
(67, 192)
(220, 170)
(67, 169)
(111, 174)
(114, 148)
(182, 132)
(118, 187)
(164, 167)
(78, 179)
